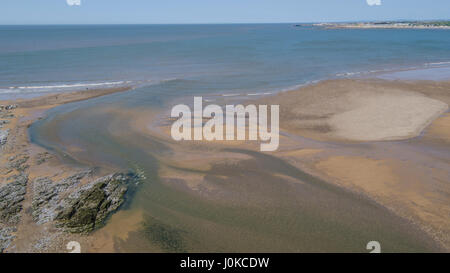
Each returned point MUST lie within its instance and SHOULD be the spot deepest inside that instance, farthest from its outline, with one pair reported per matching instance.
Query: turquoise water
(204, 58)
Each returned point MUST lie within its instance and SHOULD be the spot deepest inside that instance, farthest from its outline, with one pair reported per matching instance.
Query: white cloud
(73, 2)
(374, 2)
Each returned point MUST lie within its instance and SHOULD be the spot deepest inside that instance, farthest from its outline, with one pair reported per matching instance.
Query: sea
(220, 59)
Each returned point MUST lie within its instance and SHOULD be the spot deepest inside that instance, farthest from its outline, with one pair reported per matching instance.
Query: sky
(216, 11)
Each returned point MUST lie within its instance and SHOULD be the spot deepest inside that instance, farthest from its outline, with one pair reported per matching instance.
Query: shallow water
(260, 204)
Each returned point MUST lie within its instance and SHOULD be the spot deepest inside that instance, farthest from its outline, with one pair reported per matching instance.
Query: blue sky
(215, 11)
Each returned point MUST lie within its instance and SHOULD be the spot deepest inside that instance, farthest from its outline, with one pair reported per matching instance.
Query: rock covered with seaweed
(80, 209)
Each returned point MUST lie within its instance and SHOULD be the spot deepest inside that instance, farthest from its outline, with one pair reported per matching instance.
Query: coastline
(360, 110)
(348, 162)
(68, 97)
(380, 26)
(310, 152)
(25, 221)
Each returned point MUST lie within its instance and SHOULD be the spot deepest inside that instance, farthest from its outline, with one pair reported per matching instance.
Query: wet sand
(320, 192)
(37, 162)
(361, 110)
(410, 176)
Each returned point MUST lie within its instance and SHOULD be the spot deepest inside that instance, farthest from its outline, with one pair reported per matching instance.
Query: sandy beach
(385, 140)
(362, 110)
(368, 148)
(23, 164)
(389, 142)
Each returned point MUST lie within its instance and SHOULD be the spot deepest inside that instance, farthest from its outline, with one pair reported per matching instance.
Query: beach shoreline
(390, 152)
(418, 198)
(360, 110)
(27, 162)
(317, 152)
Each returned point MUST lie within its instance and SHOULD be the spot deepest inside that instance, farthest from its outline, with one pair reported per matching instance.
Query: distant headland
(443, 24)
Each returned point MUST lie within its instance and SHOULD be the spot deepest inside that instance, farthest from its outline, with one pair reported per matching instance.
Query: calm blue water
(208, 58)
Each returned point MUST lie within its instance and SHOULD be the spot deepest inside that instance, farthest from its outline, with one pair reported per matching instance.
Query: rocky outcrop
(5, 113)
(88, 207)
(3, 122)
(3, 137)
(8, 107)
(17, 162)
(11, 107)
(46, 196)
(77, 209)
(6, 237)
(11, 197)
(42, 157)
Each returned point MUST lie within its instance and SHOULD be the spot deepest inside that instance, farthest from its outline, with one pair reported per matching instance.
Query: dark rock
(6, 237)
(11, 107)
(79, 209)
(3, 136)
(11, 197)
(46, 195)
(42, 158)
(18, 162)
(87, 208)
(6, 115)
(3, 122)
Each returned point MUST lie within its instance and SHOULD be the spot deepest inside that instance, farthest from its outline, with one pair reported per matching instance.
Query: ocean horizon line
(224, 23)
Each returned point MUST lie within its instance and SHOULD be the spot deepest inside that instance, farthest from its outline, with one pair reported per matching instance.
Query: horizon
(178, 12)
(225, 23)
